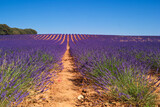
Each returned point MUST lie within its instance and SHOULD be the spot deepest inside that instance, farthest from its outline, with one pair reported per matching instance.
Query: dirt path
(66, 92)
(66, 89)
(63, 92)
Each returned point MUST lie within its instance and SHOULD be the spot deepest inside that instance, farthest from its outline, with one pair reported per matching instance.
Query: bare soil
(63, 92)
(67, 87)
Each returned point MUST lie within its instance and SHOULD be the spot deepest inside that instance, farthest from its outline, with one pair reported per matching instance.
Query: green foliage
(18, 31)
(30, 31)
(133, 88)
(6, 30)
(22, 73)
(129, 85)
(15, 31)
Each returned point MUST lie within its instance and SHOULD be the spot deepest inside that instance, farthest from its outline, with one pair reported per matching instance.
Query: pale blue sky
(111, 17)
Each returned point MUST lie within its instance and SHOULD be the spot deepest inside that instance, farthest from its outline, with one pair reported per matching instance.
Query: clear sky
(111, 17)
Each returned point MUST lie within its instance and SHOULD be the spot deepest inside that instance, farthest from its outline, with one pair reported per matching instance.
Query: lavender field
(25, 64)
(126, 68)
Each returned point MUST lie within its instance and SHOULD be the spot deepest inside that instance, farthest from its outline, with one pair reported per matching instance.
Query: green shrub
(6, 30)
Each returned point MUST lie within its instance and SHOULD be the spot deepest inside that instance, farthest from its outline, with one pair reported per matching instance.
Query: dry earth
(63, 93)
(68, 91)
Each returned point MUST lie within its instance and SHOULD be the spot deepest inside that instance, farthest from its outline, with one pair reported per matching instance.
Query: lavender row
(27, 65)
(121, 69)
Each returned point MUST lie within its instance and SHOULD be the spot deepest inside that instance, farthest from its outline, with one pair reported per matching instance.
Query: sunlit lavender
(26, 64)
(121, 66)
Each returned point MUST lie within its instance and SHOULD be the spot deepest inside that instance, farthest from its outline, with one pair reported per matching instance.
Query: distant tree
(21, 31)
(15, 31)
(30, 31)
(6, 30)
(34, 31)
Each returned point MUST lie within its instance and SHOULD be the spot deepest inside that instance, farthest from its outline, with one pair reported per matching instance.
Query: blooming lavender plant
(121, 69)
(25, 64)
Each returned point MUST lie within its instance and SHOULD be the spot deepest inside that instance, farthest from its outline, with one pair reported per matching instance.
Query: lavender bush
(25, 64)
(121, 69)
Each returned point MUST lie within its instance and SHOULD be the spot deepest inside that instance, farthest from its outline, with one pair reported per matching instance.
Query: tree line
(6, 30)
